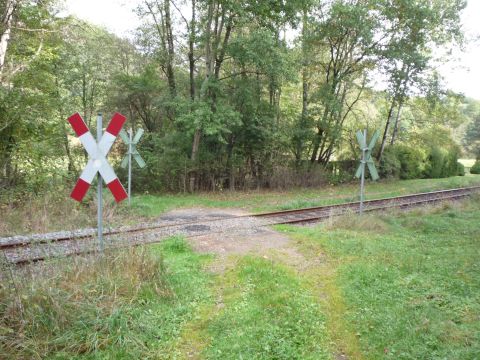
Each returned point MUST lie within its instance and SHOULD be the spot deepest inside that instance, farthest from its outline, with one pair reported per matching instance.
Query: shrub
(475, 169)
(411, 161)
(443, 163)
(450, 167)
(436, 160)
(389, 166)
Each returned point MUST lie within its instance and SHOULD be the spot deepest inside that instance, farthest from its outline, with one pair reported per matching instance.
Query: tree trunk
(170, 50)
(318, 138)
(164, 31)
(397, 120)
(316, 146)
(191, 59)
(7, 28)
(398, 97)
(203, 92)
(231, 176)
(385, 132)
(221, 55)
(303, 118)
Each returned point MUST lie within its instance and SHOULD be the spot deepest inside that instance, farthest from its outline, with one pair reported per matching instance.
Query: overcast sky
(462, 73)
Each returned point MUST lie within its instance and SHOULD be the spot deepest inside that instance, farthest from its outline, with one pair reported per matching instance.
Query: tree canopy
(231, 94)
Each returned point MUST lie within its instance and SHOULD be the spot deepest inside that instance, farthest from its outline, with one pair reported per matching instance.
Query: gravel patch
(203, 223)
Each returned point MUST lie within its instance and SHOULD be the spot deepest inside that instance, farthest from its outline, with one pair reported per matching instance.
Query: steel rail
(25, 240)
(323, 212)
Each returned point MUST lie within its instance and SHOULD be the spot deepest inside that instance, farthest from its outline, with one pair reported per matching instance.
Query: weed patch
(366, 222)
(127, 304)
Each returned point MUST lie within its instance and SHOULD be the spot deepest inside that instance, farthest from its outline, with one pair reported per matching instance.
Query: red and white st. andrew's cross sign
(97, 153)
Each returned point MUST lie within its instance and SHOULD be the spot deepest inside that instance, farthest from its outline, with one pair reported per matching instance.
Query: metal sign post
(366, 160)
(130, 132)
(132, 151)
(99, 190)
(362, 180)
(97, 162)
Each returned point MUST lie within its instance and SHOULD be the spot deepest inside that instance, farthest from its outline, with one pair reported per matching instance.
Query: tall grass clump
(77, 306)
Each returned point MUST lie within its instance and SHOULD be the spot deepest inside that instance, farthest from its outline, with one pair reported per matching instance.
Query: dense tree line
(231, 94)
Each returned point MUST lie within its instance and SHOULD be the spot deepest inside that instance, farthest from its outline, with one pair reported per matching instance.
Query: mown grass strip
(267, 314)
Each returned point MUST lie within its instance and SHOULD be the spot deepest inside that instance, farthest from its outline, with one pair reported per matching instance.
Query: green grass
(258, 201)
(409, 283)
(267, 314)
(395, 285)
(127, 306)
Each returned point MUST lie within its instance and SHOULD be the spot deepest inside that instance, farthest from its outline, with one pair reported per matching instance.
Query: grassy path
(266, 312)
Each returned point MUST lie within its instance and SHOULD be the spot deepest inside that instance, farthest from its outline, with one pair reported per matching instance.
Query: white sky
(462, 74)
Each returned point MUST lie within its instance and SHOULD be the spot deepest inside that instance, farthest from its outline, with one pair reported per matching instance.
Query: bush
(450, 167)
(436, 160)
(341, 171)
(390, 166)
(442, 163)
(475, 169)
(411, 161)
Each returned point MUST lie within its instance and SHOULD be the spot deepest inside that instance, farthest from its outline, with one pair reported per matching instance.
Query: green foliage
(475, 169)
(167, 164)
(412, 161)
(460, 169)
(443, 163)
(472, 136)
(404, 162)
(249, 109)
(390, 166)
(435, 163)
(451, 166)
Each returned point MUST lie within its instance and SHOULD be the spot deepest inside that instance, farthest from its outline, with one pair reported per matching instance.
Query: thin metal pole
(362, 181)
(130, 166)
(99, 190)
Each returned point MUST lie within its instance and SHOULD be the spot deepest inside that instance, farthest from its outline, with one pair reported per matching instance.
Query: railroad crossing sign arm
(361, 140)
(373, 141)
(373, 170)
(138, 135)
(97, 153)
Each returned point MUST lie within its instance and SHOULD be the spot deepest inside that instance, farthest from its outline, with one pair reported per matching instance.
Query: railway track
(25, 249)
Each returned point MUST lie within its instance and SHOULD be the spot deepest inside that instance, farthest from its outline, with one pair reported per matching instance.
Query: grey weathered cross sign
(366, 160)
(131, 142)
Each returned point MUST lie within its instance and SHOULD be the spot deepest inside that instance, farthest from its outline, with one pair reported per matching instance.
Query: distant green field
(468, 163)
